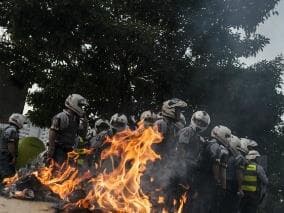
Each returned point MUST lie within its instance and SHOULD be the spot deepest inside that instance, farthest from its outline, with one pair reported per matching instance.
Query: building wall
(31, 131)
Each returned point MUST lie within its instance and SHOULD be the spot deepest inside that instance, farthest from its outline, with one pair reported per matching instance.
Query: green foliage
(110, 51)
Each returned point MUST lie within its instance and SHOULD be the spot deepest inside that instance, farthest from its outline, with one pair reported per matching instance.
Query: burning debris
(28, 187)
(116, 188)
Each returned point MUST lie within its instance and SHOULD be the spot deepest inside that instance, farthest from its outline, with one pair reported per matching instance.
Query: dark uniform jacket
(197, 154)
(235, 162)
(9, 135)
(169, 129)
(67, 126)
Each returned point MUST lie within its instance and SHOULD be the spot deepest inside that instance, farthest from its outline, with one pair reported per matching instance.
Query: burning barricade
(112, 185)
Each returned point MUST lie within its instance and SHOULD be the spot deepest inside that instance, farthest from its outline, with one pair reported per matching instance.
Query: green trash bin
(28, 150)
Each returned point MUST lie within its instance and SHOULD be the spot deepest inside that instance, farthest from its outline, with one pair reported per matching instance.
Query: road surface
(15, 206)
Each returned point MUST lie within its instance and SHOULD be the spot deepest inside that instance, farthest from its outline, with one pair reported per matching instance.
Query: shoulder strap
(7, 127)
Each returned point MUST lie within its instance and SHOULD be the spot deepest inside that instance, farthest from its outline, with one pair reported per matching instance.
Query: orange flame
(182, 201)
(62, 180)
(117, 190)
(9, 181)
(161, 199)
(120, 190)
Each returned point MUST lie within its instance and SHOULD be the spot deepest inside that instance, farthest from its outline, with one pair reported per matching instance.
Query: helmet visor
(83, 104)
(118, 124)
(178, 112)
(199, 122)
(103, 125)
(149, 120)
(227, 136)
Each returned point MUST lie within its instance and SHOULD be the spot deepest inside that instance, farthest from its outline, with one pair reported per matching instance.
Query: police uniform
(66, 125)
(254, 186)
(232, 199)
(169, 129)
(9, 135)
(97, 143)
(205, 183)
(200, 156)
(153, 177)
(189, 146)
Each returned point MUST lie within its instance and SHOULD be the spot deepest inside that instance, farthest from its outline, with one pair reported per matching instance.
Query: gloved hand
(241, 193)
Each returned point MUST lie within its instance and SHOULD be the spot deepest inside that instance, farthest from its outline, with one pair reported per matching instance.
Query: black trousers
(208, 197)
(231, 201)
(249, 204)
(6, 169)
(60, 154)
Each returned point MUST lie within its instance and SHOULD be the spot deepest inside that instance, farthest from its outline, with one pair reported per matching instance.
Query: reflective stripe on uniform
(251, 167)
(250, 178)
(249, 188)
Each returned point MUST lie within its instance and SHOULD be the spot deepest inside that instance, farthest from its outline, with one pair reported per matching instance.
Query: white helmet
(252, 155)
(17, 119)
(222, 134)
(235, 142)
(118, 122)
(244, 145)
(76, 103)
(171, 108)
(200, 120)
(101, 123)
(252, 144)
(148, 117)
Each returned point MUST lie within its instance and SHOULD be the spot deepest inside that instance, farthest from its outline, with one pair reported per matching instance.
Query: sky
(272, 28)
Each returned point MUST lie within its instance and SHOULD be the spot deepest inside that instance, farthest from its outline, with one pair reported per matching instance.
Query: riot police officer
(209, 165)
(118, 123)
(66, 126)
(149, 118)
(9, 145)
(234, 176)
(168, 125)
(254, 184)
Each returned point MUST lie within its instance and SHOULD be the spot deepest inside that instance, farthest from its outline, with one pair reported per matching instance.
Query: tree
(111, 51)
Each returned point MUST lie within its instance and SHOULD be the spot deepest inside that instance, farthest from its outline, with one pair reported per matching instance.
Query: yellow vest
(250, 178)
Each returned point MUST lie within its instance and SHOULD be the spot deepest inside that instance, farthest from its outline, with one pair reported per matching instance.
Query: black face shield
(200, 123)
(117, 124)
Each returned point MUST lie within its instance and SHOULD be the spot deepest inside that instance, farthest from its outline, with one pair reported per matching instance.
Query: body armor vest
(66, 137)
(6, 134)
(250, 178)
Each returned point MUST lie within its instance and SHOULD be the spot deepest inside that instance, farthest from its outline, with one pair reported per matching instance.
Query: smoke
(167, 176)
